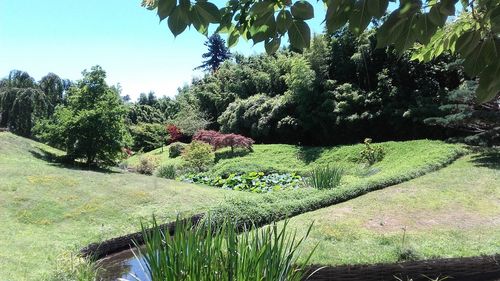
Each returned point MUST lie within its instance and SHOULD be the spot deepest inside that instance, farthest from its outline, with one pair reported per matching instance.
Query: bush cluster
(176, 149)
(372, 154)
(256, 182)
(166, 171)
(147, 165)
(219, 140)
(198, 156)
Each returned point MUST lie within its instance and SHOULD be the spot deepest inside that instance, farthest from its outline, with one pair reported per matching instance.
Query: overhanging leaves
(299, 34)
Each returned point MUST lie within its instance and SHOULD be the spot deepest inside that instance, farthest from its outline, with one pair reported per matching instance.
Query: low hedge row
(270, 207)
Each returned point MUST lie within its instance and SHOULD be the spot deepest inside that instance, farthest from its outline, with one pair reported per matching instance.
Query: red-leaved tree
(174, 132)
(218, 140)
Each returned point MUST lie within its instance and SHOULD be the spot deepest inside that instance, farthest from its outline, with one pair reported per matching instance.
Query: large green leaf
(425, 29)
(302, 10)
(178, 21)
(198, 21)
(436, 17)
(165, 8)
(233, 38)
(495, 20)
(272, 45)
(208, 11)
(283, 21)
(489, 83)
(377, 8)
(264, 27)
(480, 58)
(262, 7)
(338, 13)
(468, 42)
(360, 16)
(299, 35)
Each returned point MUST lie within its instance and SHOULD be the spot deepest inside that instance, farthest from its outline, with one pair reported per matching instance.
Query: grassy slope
(47, 210)
(404, 161)
(291, 158)
(452, 212)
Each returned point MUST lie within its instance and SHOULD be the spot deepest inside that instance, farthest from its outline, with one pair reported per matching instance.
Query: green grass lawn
(453, 212)
(290, 158)
(48, 211)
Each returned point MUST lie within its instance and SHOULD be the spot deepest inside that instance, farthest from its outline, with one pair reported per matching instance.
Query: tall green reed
(203, 252)
(325, 177)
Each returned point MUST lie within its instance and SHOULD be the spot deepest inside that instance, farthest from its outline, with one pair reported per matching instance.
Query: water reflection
(121, 266)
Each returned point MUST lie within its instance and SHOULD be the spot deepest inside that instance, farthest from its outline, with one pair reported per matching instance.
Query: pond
(122, 265)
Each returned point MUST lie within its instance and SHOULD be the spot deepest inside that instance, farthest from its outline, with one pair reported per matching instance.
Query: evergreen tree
(462, 112)
(216, 55)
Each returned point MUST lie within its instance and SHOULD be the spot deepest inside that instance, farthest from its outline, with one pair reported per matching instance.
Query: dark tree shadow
(64, 162)
(227, 154)
(489, 158)
(309, 154)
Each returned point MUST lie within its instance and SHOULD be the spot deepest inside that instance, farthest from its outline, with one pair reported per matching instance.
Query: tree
(22, 103)
(53, 87)
(479, 121)
(216, 55)
(477, 27)
(92, 125)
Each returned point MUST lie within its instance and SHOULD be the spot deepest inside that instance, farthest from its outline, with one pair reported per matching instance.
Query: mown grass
(49, 211)
(403, 161)
(283, 158)
(454, 212)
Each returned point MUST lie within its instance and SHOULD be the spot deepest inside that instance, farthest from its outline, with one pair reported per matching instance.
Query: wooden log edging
(483, 268)
(102, 249)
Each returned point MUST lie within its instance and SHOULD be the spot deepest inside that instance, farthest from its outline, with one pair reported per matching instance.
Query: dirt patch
(459, 218)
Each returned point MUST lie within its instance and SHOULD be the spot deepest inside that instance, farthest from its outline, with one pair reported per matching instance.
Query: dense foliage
(218, 140)
(475, 26)
(257, 182)
(481, 122)
(341, 90)
(91, 126)
(23, 101)
(198, 156)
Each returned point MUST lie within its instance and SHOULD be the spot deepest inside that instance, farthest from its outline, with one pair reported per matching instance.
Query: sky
(66, 37)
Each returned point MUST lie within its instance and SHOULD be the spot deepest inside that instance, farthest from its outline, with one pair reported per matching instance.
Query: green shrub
(253, 181)
(198, 155)
(325, 177)
(147, 165)
(166, 171)
(198, 252)
(372, 154)
(175, 149)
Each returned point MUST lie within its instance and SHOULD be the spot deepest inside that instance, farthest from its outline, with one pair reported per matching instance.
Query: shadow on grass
(489, 158)
(309, 154)
(64, 162)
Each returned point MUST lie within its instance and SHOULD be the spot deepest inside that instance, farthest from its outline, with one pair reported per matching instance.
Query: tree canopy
(91, 126)
(472, 33)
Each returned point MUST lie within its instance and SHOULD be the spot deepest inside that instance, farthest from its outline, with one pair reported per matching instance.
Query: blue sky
(65, 37)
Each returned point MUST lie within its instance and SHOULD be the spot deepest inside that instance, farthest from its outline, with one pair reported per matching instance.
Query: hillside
(453, 212)
(48, 211)
(300, 159)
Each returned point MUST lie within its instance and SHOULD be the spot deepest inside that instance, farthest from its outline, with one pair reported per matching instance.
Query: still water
(122, 266)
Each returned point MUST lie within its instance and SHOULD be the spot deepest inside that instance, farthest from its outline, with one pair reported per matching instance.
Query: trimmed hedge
(277, 206)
